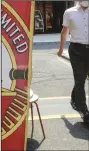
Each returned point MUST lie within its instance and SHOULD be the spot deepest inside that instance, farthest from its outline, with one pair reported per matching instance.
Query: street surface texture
(52, 80)
(51, 75)
(61, 134)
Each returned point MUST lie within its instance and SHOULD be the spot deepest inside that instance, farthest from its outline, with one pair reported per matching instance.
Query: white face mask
(85, 3)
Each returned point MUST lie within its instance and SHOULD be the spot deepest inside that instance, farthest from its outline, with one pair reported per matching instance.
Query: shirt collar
(78, 7)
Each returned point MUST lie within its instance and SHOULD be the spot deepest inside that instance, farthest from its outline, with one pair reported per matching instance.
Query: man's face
(84, 4)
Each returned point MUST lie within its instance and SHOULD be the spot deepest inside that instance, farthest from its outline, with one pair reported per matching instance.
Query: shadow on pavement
(78, 130)
(33, 144)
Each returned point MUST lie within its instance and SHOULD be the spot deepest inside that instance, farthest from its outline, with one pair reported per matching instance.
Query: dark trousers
(79, 58)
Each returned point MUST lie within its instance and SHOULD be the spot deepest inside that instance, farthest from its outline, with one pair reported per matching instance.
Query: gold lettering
(22, 97)
(3, 131)
(23, 108)
(10, 125)
(18, 114)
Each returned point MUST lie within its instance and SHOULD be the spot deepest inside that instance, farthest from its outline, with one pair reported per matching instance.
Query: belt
(79, 44)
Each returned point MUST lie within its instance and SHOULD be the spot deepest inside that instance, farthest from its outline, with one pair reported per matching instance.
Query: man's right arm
(64, 34)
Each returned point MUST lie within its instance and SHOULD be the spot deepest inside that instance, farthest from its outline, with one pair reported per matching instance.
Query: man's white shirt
(77, 20)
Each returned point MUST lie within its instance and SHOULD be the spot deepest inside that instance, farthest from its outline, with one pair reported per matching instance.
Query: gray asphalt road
(48, 45)
(52, 76)
(61, 134)
(53, 82)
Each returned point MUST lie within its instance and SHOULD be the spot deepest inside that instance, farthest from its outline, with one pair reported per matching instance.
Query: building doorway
(49, 15)
(58, 11)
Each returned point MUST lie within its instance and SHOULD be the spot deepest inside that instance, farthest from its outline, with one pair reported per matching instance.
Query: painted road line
(56, 98)
(59, 116)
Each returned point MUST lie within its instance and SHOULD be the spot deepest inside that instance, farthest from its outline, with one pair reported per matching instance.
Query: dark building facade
(49, 15)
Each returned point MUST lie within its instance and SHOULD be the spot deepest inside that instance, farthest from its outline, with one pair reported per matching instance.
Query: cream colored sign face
(6, 67)
(8, 62)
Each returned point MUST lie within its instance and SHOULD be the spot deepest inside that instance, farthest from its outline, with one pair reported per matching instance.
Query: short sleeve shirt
(77, 20)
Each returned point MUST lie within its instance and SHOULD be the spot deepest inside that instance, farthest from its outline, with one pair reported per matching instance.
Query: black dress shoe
(83, 111)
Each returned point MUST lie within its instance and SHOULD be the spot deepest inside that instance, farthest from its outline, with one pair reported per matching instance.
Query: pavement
(52, 41)
(40, 38)
(61, 134)
(53, 81)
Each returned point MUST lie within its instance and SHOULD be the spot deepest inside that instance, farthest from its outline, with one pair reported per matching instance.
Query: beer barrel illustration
(18, 74)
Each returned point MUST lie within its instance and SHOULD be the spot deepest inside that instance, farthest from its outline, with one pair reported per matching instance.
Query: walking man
(76, 21)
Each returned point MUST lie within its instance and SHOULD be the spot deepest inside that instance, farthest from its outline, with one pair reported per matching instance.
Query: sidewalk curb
(47, 42)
